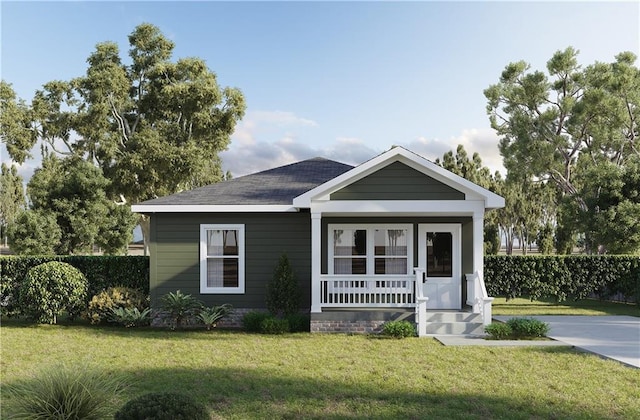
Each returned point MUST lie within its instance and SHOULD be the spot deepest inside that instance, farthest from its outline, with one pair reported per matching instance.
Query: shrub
(62, 392)
(283, 294)
(51, 289)
(130, 317)
(299, 322)
(528, 327)
(399, 329)
(102, 305)
(252, 321)
(180, 308)
(498, 330)
(274, 325)
(101, 272)
(211, 316)
(162, 406)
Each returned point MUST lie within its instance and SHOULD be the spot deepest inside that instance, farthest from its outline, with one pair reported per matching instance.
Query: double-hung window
(221, 258)
(370, 249)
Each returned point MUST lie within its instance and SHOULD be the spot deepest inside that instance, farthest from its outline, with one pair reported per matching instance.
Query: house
(397, 237)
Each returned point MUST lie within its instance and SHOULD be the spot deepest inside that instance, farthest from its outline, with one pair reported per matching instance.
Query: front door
(439, 252)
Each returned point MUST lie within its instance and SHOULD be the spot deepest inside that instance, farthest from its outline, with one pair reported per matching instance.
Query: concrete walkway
(612, 337)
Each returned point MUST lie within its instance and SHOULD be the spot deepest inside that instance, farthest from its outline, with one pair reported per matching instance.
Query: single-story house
(397, 237)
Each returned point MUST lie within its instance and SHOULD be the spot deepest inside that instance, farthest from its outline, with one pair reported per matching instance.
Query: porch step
(455, 323)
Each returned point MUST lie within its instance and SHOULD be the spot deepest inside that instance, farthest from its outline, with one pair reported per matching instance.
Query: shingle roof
(278, 186)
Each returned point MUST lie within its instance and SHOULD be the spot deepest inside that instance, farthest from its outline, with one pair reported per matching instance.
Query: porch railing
(478, 298)
(367, 291)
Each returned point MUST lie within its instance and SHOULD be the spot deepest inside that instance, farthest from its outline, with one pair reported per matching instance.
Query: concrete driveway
(613, 337)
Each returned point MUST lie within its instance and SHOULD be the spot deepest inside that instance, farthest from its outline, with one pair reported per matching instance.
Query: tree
(73, 190)
(154, 127)
(11, 198)
(34, 232)
(473, 170)
(550, 123)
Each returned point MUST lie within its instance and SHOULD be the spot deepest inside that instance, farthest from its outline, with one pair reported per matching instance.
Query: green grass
(245, 376)
(525, 306)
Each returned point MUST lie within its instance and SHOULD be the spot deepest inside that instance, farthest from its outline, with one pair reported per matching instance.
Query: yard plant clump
(517, 328)
(64, 392)
(399, 329)
(103, 304)
(52, 289)
(163, 406)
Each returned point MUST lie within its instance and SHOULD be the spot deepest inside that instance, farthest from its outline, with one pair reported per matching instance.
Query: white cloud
(280, 118)
(484, 141)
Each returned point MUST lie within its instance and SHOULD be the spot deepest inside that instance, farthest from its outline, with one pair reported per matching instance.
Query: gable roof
(278, 186)
(411, 159)
(295, 186)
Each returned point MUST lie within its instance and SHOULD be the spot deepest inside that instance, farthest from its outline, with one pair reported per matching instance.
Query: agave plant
(179, 307)
(211, 316)
(130, 317)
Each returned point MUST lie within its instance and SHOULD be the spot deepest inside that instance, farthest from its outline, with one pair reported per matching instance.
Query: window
(370, 249)
(221, 258)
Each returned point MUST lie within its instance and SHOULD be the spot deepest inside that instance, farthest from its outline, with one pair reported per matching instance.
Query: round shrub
(299, 322)
(252, 321)
(399, 329)
(163, 406)
(103, 304)
(51, 289)
(273, 325)
(528, 327)
(498, 330)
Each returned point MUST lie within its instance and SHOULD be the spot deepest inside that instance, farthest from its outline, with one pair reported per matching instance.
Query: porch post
(316, 241)
(478, 243)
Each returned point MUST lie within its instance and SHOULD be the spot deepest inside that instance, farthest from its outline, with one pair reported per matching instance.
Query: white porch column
(316, 244)
(478, 243)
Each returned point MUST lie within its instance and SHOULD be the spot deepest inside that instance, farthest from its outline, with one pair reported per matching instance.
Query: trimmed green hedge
(563, 276)
(101, 272)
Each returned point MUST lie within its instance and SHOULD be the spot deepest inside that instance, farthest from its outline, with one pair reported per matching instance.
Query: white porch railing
(421, 302)
(478, 298)
(367, 291)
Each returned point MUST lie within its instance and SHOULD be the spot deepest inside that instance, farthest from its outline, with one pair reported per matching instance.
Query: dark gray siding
(175, 254)
(397, 181)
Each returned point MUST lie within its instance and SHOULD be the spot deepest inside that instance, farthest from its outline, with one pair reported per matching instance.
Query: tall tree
(11, 198)
(474, 171)
(154, 127)
(73, 190)
(549, 123)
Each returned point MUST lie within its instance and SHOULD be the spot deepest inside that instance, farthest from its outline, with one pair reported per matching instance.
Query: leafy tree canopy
(153, 126)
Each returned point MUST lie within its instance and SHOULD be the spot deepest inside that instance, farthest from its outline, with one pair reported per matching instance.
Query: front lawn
(240, 376)
(527, 307)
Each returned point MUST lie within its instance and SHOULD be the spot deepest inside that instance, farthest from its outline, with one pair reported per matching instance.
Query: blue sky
(343, 80)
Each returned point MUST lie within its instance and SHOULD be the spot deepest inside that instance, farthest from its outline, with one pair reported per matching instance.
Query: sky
(341, 80)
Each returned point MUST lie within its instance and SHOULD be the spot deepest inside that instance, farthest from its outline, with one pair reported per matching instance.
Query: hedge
(101, 272)
(563, 276)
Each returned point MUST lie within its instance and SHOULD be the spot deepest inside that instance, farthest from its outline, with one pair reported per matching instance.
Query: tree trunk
(145, 226)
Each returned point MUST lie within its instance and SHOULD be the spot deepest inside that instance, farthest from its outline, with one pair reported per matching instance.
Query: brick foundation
(352, 327)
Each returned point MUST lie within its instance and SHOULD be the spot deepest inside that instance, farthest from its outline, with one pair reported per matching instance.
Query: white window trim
(204, 289)
(370, 246)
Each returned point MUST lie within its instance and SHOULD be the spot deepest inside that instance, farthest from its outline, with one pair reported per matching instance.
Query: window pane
(222, 272)
(439, 254)
(214, 272)
(230, 272)
(350, 266)
(222, 242)
(214, 242)
(349, 242)
(391, 266)
(230, 242)
(390, 242)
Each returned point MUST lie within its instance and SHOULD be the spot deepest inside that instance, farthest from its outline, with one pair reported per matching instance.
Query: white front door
(439, 253)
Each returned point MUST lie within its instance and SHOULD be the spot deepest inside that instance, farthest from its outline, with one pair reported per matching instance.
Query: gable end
(397, 181)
